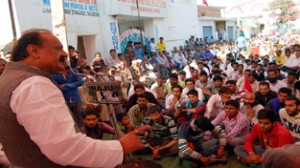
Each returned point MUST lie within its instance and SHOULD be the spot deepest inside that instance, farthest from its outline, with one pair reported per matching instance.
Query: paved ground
(173, 162)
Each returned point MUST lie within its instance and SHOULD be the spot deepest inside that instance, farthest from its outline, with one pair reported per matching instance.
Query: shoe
(215, 160)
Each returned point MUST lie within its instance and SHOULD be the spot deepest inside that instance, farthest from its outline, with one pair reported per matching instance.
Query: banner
(134, 36)
(75, 7)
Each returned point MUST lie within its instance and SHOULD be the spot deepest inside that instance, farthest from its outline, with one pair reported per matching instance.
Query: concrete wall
(176, 23)
(234, 25)
(206, 23)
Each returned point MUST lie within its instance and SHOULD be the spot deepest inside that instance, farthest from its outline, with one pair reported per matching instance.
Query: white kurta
(40, 108)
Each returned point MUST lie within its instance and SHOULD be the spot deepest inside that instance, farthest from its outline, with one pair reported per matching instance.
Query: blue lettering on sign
(113, 29)
(66, 4)
(46, 2)
(77, 6)
(93, 8)
(115, 38)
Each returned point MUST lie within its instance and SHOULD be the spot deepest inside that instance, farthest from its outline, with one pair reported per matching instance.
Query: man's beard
(272, 80)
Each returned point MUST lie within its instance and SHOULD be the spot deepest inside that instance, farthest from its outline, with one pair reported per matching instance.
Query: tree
(284, 11)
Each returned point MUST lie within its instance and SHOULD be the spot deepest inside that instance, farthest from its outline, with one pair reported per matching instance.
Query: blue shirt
(139, 53)
(71, 83)
(207, 54)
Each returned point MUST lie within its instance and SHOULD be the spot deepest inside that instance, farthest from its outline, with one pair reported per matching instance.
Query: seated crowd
(201, 102)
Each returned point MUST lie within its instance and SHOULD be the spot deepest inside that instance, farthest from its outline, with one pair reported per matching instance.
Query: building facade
(100, 25)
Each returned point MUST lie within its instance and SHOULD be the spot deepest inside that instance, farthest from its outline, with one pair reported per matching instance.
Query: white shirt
(40, 108)
(290, 122)
(241, 42)
(200, 94)
(279, 84)
(292, 61)
(153, 47)
(214, 106)
(170, 99)
(256, 109)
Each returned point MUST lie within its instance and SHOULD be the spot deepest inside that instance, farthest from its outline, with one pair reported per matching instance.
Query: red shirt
(278, 137)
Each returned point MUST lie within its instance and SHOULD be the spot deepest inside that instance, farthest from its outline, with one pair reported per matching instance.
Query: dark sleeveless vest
(18, 147)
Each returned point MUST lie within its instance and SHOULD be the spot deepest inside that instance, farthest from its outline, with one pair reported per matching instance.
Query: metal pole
(139, 18)
(13, 26)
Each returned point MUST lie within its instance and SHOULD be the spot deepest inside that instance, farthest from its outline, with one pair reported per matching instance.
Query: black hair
(263, 83)
(292, 74)
(217, 78)
(154, 109)
(233, 103)
(120, 116)
(272, 70)
(297, 85)
(29, 37)
(234, 63)
(231, 82)
(247, 70)
(143, 96)
(71, 47)
(203, 73)
(182, 72)
(204, 124)
(173, 75)
(285, 90)
(193, 92)
(177, 86)
(267, 114)
(224, 89)
(139, 86)
(189, 80)
(216, 72)
(111, 50)
(92, 111)
(295, 99)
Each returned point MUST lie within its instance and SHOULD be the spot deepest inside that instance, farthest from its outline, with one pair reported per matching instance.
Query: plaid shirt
(238, 126)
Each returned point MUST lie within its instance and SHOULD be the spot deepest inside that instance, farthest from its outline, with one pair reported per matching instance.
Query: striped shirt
(165, 130)
(187, 134)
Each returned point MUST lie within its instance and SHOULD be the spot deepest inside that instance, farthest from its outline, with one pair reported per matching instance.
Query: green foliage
(284, 10)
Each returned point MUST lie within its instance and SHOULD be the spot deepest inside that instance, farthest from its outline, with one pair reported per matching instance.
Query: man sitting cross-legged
(191, 145)
(163, 136)
(270, 134)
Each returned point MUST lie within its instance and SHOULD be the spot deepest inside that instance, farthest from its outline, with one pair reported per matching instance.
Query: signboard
(147, 8)
(134, 36)
(99, 87)
(75, 7)
(114, 32)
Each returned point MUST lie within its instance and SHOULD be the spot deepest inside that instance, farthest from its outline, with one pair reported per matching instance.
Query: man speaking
(36, 127)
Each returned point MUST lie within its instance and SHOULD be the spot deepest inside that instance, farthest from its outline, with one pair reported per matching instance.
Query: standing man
(38, 127)
(69, 83)
(153, 47)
